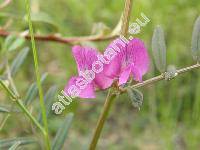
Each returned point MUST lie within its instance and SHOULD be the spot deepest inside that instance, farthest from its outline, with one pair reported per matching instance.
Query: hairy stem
(102, 118)
(162, 77)
(126, 17)
(35, 56)
(110, 97)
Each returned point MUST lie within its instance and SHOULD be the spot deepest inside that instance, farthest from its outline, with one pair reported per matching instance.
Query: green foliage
(18, 61)
(4, 110)
(48, 100)
(136, 97)
(196, 40)
(6, 143)
(159, 49)
(13, 42)
(33, 90)
(168, 108)
(15, 146)
(44, 19)
(62, 132)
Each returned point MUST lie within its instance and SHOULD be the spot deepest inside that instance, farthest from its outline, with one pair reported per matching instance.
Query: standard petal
(113, 69)
(124, 76)
(138, 54)
(84, 57)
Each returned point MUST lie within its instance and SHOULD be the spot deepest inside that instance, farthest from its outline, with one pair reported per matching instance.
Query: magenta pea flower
(131, 61)
(91, 74)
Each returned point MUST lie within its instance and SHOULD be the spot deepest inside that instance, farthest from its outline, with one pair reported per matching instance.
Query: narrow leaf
(159, 49)
(4, 110)
(15, 146)
(16, 44)
(6, 143)
(7, 109)
(12, 42)
(62, 133)
(136, 97)
(196, 40)
(18, 61)
(5, 119)
(44, 18)
(33, 90)
(48, 100)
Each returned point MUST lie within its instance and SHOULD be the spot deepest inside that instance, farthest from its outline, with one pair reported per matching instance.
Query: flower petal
(113, 69)
(138, 54)
(103, 81)
(124, 76)
(87, 92)
(137, 76)
(84, 57)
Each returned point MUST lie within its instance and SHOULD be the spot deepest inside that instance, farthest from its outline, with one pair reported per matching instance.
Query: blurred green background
(169, 117)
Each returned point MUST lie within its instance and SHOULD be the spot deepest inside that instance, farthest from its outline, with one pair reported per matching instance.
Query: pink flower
(120, 61)
(132, 60)
(84, 85)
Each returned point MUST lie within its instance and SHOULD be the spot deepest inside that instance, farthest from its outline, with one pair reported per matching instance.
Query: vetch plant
(95, 68)
(119, 69)
(120, 61)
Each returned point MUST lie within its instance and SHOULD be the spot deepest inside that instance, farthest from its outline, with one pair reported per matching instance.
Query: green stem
(111, 97)
(35, 56)
(109, 100)
(22, 107)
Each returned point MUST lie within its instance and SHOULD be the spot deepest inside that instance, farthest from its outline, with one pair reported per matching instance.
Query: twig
(126, 17)
(60, 39)
(161, 77)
